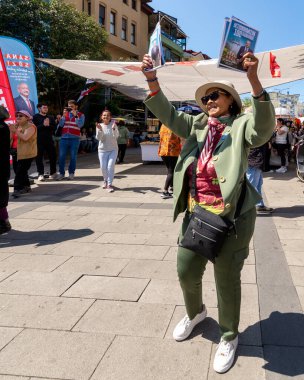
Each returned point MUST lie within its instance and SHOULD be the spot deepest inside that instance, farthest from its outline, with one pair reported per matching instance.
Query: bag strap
(241, 197)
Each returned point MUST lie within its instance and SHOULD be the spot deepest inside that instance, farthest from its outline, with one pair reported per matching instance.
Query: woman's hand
(98, 126)
(147, 64)
(251, 63)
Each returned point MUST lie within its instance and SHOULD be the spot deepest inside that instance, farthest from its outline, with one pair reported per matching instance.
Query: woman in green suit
(223, 136)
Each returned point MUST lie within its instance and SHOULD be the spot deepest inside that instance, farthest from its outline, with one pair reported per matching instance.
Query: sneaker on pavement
(224, 355)
(184, 328)
(105, 185)
(282, 169)
(166, 195)
(71, 176)
(60, 177)
(110, 189)
(41, 178)
(54, 176)
(264, 209)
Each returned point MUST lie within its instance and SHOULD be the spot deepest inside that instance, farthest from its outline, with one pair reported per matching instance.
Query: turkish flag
(6, 97)
(275, 69)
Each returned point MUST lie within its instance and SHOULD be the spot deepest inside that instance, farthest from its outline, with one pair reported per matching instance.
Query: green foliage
(54, 29)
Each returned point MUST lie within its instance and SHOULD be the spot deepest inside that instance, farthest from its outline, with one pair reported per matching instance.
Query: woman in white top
(281, 143)
(107, 134)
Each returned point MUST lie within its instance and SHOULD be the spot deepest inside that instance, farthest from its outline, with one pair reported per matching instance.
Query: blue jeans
(255, 177)
(107, 164)
(71, 145)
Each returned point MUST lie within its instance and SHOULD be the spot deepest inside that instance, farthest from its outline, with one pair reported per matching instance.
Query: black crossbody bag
(206, 231)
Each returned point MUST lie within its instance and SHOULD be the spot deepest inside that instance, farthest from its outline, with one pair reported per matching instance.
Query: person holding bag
(211, 186)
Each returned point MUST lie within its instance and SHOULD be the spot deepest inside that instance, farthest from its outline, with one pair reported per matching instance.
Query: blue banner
(20, 67)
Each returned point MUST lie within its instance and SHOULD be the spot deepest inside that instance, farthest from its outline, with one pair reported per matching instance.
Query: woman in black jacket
(5, 225)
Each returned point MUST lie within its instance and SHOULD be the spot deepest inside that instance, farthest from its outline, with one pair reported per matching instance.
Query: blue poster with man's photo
(156, 48)
(20, 67)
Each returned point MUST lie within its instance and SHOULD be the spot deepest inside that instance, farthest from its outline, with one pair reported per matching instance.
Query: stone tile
(7, 334)
(27, 224)
(169, 292)
(300, 291)
(163, 292)
(38, 283)
(249, 365)
(164, 270)
(24, 246)
(114, 251)
(6, 377)
(294, 257)
(171, 254)
(248, 274)
(164, 212)
(292, 244)
(33, 263)
(5, 274)
(297, 275)
(163, 239)
(113, 238)
(54, 354)
(57, 313)
(4, 255)
(120, 211)
(288, 234)
(152, 358)
(142, 319)
(109, 288)
(92, 266)
(251, 258)
(139, 219)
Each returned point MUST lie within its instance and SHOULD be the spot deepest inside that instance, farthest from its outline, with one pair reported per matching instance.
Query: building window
(124, 27)
(113, 23)
(125, 1)
(102, 15)
(134, 5)
(89, 8)
(133, 34)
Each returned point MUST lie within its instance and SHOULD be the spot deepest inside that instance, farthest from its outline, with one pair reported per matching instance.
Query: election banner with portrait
(20, 68)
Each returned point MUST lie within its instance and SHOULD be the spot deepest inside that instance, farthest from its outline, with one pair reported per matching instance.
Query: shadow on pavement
(18, 238)
(289, 212)
(282, 342)
(140, 190)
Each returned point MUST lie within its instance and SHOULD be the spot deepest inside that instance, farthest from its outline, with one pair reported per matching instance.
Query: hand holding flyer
(238, 39)
(156, 49)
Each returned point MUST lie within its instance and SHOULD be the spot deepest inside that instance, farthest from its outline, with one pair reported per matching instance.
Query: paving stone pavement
(89, 291)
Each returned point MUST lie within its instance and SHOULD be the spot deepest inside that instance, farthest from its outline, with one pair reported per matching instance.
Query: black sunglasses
(213, 96)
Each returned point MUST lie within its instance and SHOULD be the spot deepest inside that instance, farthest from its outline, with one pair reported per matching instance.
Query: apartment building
(126, 22)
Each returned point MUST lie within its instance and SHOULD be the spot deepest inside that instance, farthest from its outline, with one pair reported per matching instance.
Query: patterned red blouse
(208, 191)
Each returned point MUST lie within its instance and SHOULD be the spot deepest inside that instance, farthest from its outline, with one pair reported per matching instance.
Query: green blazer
(229, 156)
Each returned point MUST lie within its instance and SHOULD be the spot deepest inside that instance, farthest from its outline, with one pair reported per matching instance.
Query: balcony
(180, 42)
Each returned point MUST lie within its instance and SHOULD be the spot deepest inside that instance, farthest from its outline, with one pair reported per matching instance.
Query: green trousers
(227, 272)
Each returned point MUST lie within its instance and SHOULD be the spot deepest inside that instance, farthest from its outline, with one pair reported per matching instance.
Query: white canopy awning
(179, 80)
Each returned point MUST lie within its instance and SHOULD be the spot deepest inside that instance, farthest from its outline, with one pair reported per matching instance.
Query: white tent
(281, 111)
(179, 80)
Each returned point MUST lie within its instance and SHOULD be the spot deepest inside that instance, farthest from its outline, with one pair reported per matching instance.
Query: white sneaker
(41, 178)
(54, 176)
(184, 328)
(71, 177)
(224, 355)
(60, 177)
(282, 169)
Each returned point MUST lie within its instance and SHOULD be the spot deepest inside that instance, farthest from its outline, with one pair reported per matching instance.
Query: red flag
(6, 96)
(275, 69)
(86, 92)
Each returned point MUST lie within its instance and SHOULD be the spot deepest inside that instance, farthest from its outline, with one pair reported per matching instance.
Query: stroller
(300, 159)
